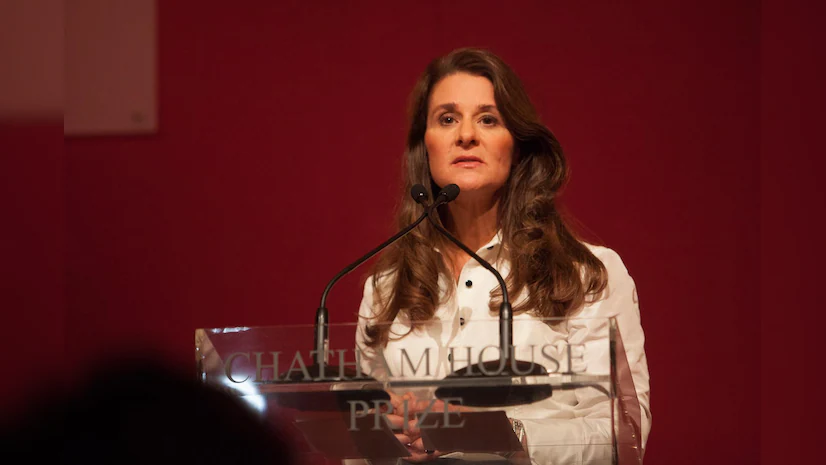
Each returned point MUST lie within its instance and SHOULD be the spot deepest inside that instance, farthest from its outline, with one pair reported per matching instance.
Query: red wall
(277, 161)
(791, 231)
(32, 260)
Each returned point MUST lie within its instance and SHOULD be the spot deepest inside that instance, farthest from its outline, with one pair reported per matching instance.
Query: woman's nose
(466, 134)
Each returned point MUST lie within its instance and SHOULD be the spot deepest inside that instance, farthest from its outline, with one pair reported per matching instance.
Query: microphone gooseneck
(419, 194)
(505, 310)
(320, 370)
(507, 366)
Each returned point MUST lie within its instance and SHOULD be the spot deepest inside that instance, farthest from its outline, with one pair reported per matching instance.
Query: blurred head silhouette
(140, 411)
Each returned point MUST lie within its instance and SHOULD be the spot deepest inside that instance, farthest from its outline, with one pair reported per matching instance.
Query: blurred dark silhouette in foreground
(139, 411)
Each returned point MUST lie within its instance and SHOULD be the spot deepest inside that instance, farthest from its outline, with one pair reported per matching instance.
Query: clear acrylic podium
(338, 411)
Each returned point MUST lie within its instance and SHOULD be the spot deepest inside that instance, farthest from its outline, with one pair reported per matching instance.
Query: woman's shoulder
(378, 282)
(376, 286)
(608, 256)
(619, 280)
(610, 259)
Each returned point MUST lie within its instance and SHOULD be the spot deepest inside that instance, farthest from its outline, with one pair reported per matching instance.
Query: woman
(473, 125)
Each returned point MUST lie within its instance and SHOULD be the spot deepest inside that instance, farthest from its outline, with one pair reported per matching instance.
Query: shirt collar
(497, 239)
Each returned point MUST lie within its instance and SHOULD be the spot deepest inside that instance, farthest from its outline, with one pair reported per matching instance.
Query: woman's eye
(489, 120)
(447, 120)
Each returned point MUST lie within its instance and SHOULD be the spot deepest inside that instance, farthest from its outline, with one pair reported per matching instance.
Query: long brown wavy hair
(558, 270)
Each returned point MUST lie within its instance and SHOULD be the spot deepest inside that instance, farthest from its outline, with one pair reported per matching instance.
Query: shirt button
(449, 357)
(469, 283)
(461, 321)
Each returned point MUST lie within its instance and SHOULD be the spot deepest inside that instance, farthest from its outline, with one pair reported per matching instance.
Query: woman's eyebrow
(445, 106)
(451, 107)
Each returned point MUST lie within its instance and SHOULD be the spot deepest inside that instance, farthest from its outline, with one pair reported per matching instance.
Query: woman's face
(466, 139)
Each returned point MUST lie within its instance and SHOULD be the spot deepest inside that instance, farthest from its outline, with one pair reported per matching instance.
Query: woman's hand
(416, 406)
(410, 434)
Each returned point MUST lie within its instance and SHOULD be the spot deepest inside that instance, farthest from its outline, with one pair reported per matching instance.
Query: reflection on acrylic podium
(339, 406)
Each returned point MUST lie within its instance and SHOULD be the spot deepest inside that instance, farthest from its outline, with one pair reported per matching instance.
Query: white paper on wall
(111, 80)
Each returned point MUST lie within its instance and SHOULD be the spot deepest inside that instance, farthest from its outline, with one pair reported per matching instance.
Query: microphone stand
(507, 366)
(321, 400)
(322, 314)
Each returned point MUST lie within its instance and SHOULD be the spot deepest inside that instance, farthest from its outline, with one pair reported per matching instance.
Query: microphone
(507, 366)
(320, 370)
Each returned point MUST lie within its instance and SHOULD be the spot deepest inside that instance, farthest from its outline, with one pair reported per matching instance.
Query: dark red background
(277, 161)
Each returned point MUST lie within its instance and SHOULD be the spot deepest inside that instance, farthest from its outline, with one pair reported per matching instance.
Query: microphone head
(419, 193)
(451, 191)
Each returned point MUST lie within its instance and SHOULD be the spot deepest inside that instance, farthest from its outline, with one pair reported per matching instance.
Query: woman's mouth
(467, 161)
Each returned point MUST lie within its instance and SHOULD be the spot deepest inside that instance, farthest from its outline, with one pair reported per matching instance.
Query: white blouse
(560, 428)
